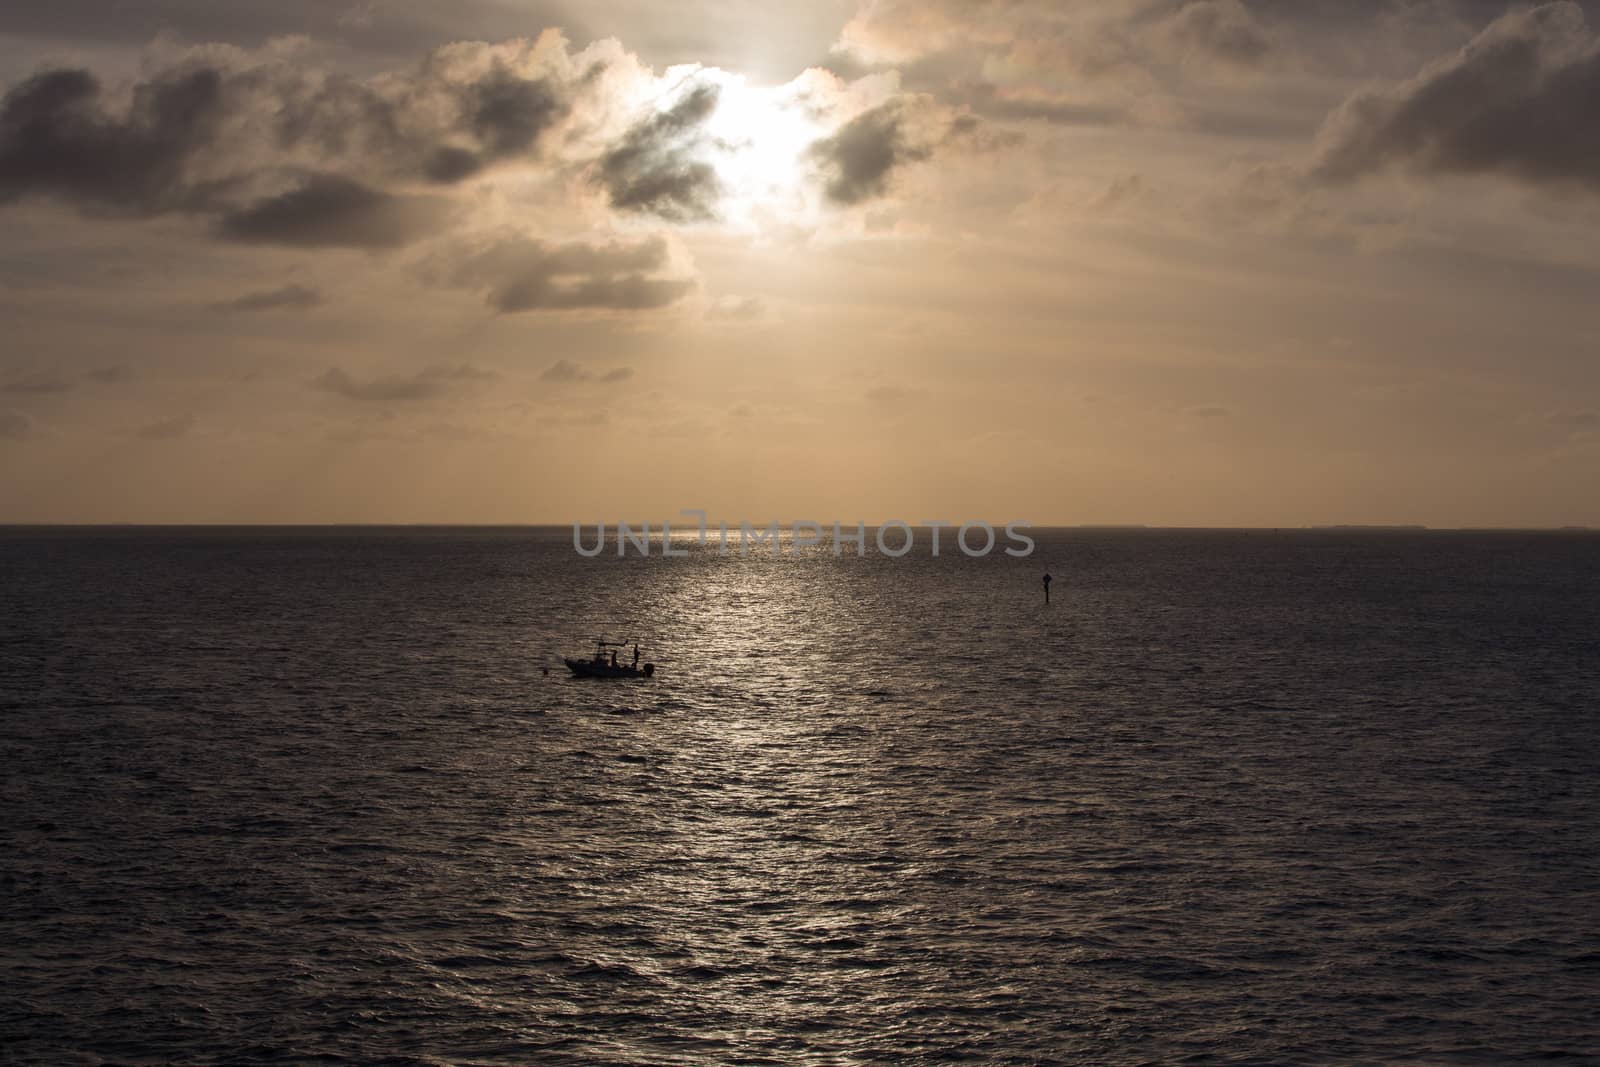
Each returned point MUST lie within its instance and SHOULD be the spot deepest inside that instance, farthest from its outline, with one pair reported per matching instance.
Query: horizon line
(1108, 527)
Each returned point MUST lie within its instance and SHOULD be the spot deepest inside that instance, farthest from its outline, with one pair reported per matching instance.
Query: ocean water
(328, 796)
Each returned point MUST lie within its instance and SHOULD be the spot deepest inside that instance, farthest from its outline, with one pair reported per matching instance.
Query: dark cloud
(449, 164)
(112, 375)
(288, 298)
(434, 123)
(655, 169)
(620, 374)
(166, 429)
(15, 426)
(508, 113)
(859, 159)
(57, 138)
(1208, 411)
(1520, 100)
(329, 211)
(204, 134)
(522, 274)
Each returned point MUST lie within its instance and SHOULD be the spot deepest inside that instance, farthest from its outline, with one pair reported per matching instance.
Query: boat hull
(590, 669)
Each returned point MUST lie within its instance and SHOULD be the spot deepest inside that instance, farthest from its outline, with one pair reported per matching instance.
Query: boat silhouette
(601, 665)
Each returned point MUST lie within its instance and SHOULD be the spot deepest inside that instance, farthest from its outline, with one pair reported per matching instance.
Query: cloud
(386, 389)
(1208, 411)
(269, 147)
(507, 113)
(289, 297)
(15, 426)
(467, 106)
(1217, 31)
(461, 372)
(58, 139)
(112, 375)
(900, 31)
(166, 429)
(563, 371)
(1025, 42)
(1518, 100)
(859, 160)
(860, 157)
(1025, 104)
(329, 211)
(221, 113)
(39, 382)
(655, 169)
(524, 274)
(277, 150)
(730, 308)
(425, 384)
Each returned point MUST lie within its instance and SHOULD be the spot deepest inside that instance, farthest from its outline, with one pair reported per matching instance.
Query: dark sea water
(1235, 797)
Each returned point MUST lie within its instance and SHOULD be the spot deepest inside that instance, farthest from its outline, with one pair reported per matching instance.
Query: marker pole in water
(1047, 587)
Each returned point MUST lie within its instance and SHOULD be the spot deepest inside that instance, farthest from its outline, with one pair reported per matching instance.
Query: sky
(1174, 262)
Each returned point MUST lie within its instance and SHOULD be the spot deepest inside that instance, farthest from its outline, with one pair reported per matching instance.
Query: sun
(759, 139)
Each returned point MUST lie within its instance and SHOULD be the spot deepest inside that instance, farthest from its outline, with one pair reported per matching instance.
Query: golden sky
(1192, 262)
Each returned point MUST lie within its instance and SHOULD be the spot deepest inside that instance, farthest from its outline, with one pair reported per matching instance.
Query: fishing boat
(606, 665)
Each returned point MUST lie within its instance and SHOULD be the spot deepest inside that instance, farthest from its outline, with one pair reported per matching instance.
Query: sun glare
(757, 139)
(764, 135)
